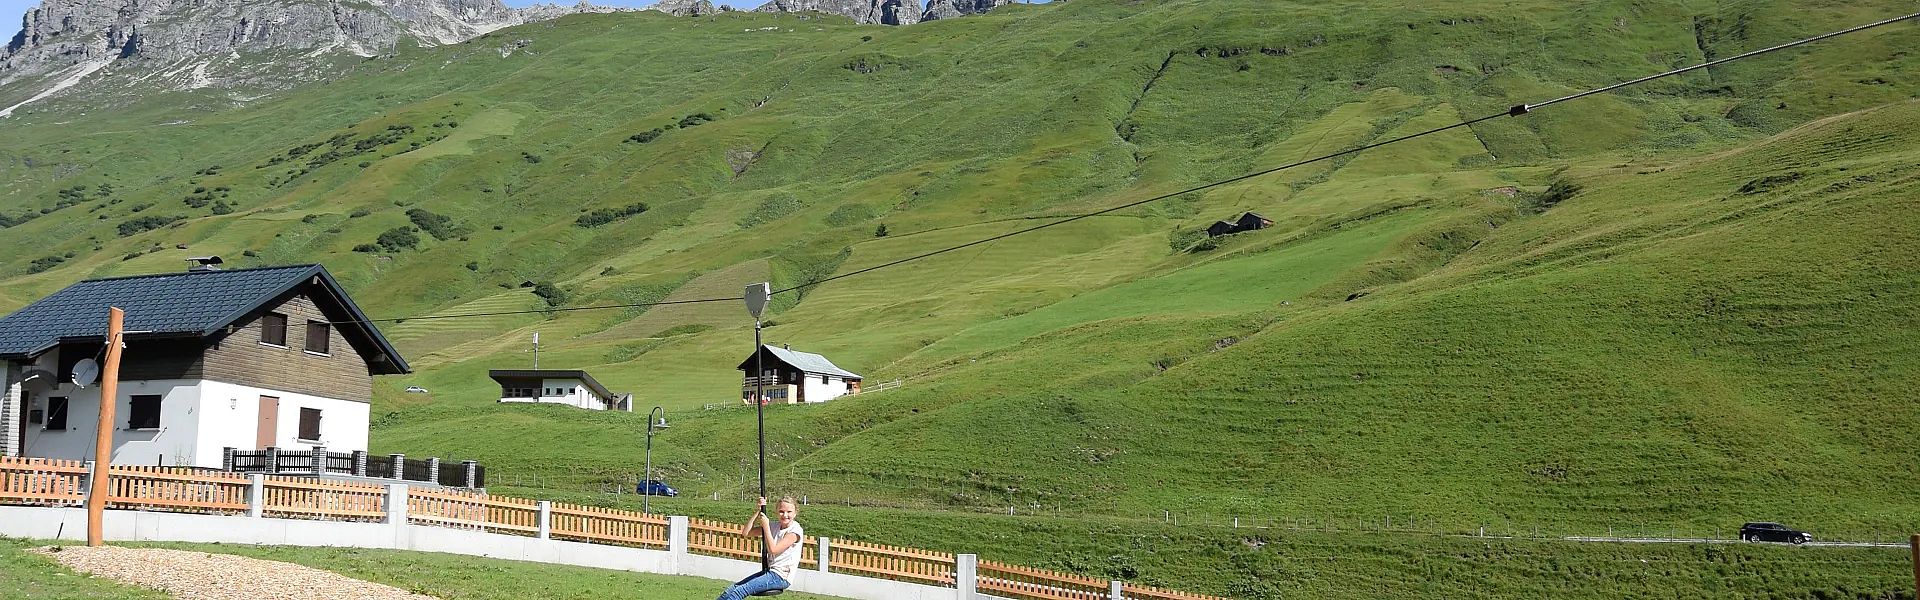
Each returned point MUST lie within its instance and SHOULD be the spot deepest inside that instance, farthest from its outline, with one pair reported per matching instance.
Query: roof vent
(204, 263)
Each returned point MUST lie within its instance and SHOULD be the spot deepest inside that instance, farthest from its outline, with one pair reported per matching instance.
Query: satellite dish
(85, 372)
(756, 299)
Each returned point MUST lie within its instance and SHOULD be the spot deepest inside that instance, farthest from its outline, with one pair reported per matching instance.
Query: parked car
(414, 389)
(655, 487)
(1773, 532)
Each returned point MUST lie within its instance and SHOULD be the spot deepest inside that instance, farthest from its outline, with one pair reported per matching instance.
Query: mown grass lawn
(24, 575)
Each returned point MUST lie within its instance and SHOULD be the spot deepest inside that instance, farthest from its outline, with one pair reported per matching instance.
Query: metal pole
(645, 505)
(760, 415)
(103, 430)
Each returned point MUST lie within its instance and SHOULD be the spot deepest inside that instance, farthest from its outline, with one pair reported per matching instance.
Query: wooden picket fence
(176, 489)
(470, 510)
(301, 498)
(893, 562)
(44, 482)
(607, 526)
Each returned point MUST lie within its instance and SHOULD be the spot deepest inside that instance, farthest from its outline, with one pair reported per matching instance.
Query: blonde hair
(788, 500)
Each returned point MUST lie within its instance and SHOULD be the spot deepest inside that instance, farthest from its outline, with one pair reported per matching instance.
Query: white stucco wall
(171, 444)
(575, 393)
(231, 415)
(198, 419)
(816, 391)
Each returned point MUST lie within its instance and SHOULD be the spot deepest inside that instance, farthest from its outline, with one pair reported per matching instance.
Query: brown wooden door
(269, 422)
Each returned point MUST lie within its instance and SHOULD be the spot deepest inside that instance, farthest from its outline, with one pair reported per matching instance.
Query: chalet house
(249, 358)
(550, 386)
(795, 377)
(1247, 222)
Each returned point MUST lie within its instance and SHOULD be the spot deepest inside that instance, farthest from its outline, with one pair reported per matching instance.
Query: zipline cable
(1516, 111)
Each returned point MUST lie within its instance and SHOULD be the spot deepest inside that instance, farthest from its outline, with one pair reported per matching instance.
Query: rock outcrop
(886, 12)
(60, 34)
(685, 8)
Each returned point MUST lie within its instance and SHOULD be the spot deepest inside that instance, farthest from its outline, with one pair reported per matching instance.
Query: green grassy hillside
(1680, 306)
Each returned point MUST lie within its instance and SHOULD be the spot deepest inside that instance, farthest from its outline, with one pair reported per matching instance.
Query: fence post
(825, 554)
(433, 469)
(318, 458)
(1113, 590)
(677, 535)
(966, 575)
(273, 459)
(256, 495)
(226, 459)
(396, 504)
(399, 465)
(546, 519)
(472, 473)
(360, 463)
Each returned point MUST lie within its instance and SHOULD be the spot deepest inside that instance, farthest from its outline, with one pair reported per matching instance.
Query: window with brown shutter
(273, 329)
(317, 337)
(310, 424)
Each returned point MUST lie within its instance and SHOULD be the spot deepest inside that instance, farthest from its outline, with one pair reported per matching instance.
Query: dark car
(1773, 532)
(655, 487)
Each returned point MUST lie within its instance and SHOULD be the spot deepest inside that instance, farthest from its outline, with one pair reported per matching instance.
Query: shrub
(696, 119)
(220, 207)
(1556, 193)
(249, 254)
(359, 212)
(45, 262)
(309, 218)
(530, 158)
(880, 231)
(473, 266)
(606, 215)
(552, 293)
(398, 239)
(441, 227)
(146, 223)
(366, 248)
(646, 136)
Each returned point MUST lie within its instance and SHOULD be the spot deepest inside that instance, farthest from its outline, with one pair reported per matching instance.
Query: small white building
(249, 359)
(794, 377)
(551, 386)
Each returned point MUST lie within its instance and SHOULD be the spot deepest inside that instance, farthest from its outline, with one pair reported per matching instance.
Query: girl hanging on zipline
(782, 542)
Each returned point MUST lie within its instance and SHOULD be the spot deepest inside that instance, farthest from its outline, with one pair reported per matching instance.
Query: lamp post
(756, 297)
(645, 505)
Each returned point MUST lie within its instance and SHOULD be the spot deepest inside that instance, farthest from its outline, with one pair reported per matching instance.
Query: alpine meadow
(1661, 311)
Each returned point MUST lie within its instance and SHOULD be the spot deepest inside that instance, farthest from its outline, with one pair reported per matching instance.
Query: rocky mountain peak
(886, 12)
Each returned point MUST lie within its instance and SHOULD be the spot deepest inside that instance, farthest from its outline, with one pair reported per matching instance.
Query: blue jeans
(756, 583)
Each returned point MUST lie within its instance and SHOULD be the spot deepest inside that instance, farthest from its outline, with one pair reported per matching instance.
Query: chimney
(203, 264)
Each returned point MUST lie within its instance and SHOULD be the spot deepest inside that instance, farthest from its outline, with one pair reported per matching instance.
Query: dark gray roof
(183, 304)
(498, 374)
(807, 362)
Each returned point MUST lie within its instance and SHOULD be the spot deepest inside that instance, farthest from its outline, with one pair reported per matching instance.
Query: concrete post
(318, 460)
(966, 576)
(396, 504)
(433, 469)
(273, 459)
(13, 409)
(256, 495)
(399, 465)
(825, 554)
(472, 476)
(360, 463)
(546, 519)
(1113, 591)
(226, 459)
(677, 528)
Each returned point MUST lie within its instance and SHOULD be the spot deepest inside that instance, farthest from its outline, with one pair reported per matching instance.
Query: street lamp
(645, 505)
(756, 297)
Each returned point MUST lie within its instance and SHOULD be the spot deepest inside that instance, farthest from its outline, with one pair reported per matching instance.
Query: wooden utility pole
(103, 432)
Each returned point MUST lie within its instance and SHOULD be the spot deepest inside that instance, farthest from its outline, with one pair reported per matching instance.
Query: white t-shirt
(785, 562)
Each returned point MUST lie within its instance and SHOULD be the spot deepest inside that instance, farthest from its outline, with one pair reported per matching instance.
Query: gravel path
(201, 576)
